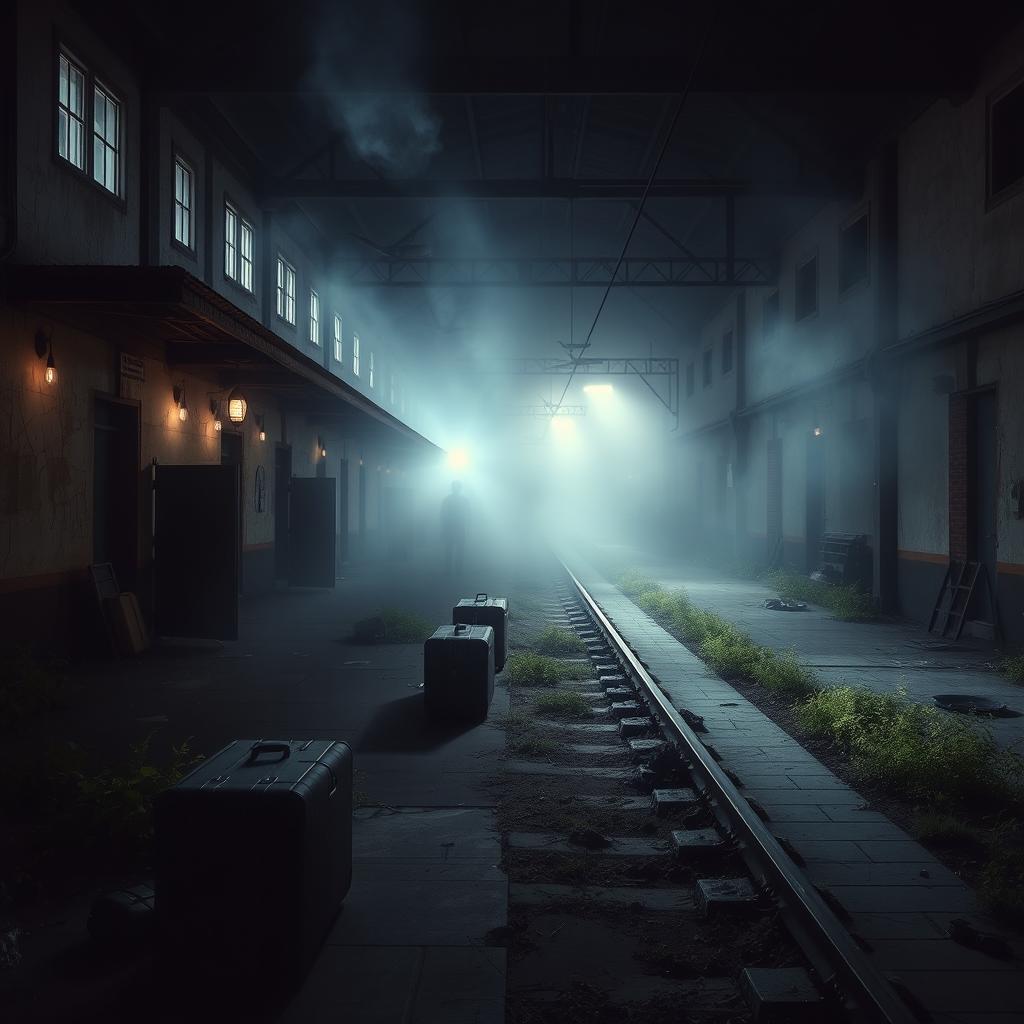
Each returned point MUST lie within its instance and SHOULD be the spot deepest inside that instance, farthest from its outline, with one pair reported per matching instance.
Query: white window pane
(62, 134)
(97, 160)
(77, 154)
(179, 227)
(63, 92)
(246, 241)
(110, 177)
(76, 98)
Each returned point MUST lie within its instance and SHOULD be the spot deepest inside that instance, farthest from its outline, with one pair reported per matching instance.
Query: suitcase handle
(482, 596)
(260, 747)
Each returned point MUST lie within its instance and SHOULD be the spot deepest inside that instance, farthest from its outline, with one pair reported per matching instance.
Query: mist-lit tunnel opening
(511, 513)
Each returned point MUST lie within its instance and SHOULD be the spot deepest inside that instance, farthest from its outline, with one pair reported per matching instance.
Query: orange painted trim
(1010, 568)
(257, 547)
(923, 556)
(42, 581)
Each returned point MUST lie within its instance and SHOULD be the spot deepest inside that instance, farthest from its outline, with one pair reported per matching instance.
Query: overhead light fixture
(237, 406)
(598, 389)
(458, 459)
(180, 401)
(215, 412)
(44, 347)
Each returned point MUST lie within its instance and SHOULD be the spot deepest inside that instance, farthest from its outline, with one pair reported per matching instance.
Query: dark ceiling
(376, 120)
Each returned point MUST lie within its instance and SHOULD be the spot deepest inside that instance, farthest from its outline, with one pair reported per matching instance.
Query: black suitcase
(485, 611)
(253, 860)
(458, 671)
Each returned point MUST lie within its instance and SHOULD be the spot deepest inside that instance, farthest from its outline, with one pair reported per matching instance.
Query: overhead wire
(577, 358)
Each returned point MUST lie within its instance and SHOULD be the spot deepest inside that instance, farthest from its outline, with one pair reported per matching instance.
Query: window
(1006, 141)
(71, 113)
(853, 253)
(807, 288)
(106, 115)
(355, 354)
(245, 256)
(727, 352)
(689, 378)
(238, 254)
(371, 370)
(337, 338)
(285, 291)
(770, 315)
(231, 243)
(184, 202)
(314, 317)
(707, 367)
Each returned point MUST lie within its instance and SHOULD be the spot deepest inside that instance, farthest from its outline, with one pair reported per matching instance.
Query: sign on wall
(132, 377)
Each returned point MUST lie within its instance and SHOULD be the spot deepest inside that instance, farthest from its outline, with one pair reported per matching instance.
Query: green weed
(392, 626)
(1001, 882)
(532, 746)
(848, 603)
(559, 642)
(528, 669)
(913, 749)
(1013, 668)
(943, 829)
(563, 703)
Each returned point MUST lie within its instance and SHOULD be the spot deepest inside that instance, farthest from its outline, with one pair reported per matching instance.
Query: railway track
(643, 886)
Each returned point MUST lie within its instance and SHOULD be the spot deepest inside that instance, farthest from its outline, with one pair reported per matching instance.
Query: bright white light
(458, 459)
(563, 428)
(598, 390)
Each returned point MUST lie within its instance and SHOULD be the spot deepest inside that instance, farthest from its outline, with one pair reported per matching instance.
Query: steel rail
(828, 945)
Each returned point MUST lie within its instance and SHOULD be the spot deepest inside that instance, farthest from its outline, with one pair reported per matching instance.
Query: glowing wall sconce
(263, 427)
(237, 406)
(215, 412)
(44, 347)
(321, 447)
(180, 401)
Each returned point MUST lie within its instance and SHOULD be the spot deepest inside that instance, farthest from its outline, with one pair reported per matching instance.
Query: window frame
(992, 198)
(282, 289)
(177, 156)
(809, 258)
(78, 65)
(118, 95)
(862, 212)
(338, 338)
(369, 376)
(99, 84)
(355, 354)
(242, 222)
(315, 336)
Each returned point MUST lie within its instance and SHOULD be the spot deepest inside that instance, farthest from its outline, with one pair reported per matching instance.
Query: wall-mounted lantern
(44, 347)
(180, 401)
(237, 406)
(215, 412)
(261, 420)
(321, 447)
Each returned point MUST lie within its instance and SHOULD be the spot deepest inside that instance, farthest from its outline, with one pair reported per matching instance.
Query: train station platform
(882, 656)
(411, 941)
(893, 894)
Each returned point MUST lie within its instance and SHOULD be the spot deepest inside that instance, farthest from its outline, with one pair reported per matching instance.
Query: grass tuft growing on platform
(919, 751)
(567, 703)
(528, 669)
(560, 643)
(1013, 668)
(392, 626)
(531, 746)
(726, 649)
(849, 603)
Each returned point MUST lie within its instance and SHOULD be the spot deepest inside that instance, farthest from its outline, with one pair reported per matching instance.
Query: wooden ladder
(954, 599)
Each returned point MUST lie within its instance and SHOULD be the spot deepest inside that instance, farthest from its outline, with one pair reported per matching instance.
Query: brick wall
(959, 406)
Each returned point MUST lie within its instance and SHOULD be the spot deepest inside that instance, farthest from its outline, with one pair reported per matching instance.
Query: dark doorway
(982, 504)
(115, 501)
(282, 483)
(231, 449)
(773, 494)
(195, 551)
(815, 500)
(312, 522)
(343, 511)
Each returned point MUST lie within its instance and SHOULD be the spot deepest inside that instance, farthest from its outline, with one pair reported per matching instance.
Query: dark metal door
(195, 551)
(116, 488)
(311, 532)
